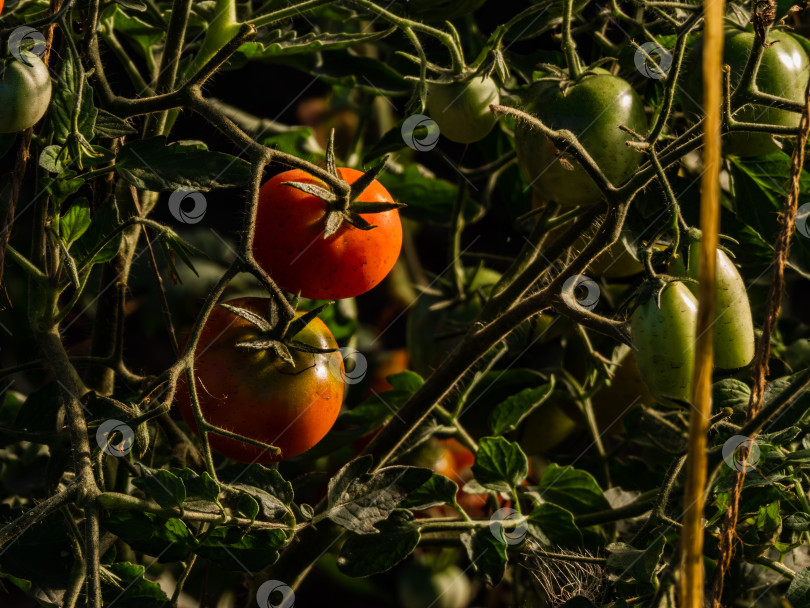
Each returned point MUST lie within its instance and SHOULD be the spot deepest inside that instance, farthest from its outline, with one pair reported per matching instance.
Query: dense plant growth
(395, 303)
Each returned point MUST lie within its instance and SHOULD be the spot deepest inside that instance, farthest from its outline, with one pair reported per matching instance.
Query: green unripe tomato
(592, 109)
(665, 342)
(545, 428)
(25, 93)
(462, 109)
(734, 328)
(783, 73)
(420, 587)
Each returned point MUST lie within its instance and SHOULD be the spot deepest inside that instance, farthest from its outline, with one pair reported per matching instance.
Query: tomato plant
(25, 92)
(290, 405)
(489, 400)
(461, 109)
(591, 108)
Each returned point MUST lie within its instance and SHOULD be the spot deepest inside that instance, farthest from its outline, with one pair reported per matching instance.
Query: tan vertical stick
(692, 575)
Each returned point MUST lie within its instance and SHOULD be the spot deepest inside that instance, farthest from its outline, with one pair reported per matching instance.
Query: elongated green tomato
(25, 93)
(665, 342)
(592, 109)
(783, 72)
(461, 109)
(734, 329)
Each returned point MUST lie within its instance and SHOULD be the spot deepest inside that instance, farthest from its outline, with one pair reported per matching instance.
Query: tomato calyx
(269, 338)
(346, 208)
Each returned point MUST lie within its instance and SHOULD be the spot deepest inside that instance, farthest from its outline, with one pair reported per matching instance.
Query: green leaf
(508, 414)
(731, 393)
(163, 486)
(630, 563)
(53, 160)
(110, 126)
(364, 73)
(367, 554)
(202, 492)
(104, 222)
(798, 593)
(169, 540)
(407, 381)
(279, 43)
(63, 103)
(63, 186)
(144, 35)
(130, 589)
(437, 490)
(254, 551)
(573, 489)
(76, 221)
(154, 164)
(267, 486)
(554, 526)
(429, 199)
(487, 553)
(798, 521)
(500, 465)
(248, 506)
(39, 411)
(358, 500)
(760, 190)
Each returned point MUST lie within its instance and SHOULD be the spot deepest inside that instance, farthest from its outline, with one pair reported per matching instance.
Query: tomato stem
(569, 46)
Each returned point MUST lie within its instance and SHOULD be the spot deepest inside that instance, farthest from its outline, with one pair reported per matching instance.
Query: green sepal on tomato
(253, 392)
(313, 244)
(461, 109)
(733, 340)
(783, 73)
(663, 330)
(25, 92)
(592, 108)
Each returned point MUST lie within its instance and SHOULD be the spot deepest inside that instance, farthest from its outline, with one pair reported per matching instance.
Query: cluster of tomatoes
(253, 392)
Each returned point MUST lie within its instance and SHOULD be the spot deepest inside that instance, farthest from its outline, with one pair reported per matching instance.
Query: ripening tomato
(783, 72)
(592, 108)
(290, 245)
(25, 92)
(1, 6)
(734, 329)
(256, 394)
(461, 109)
(665, 342)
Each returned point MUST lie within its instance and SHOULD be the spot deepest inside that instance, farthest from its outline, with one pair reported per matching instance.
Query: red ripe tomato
(289, 241)
(256, 394)
(1, 6)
